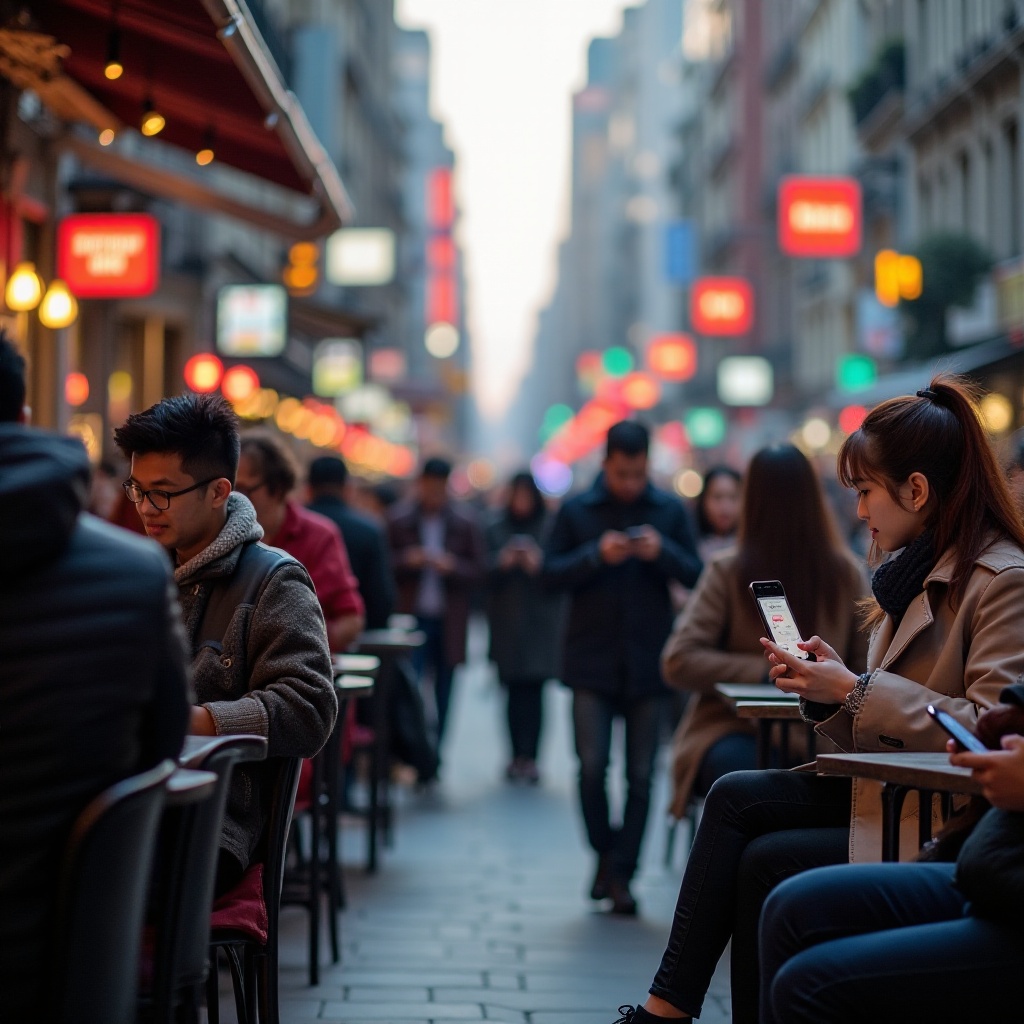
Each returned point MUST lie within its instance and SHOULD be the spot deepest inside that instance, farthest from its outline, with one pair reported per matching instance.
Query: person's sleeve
(568, 563)
(678, 558)
(380, 589)
(694, 657)
(1013, 695)
(291, 699)
(470, 566)
(337, 587)
(398, 550)
(166, 719)
(894, 714)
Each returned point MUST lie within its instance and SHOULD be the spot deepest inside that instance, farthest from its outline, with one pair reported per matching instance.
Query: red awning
(205, 67)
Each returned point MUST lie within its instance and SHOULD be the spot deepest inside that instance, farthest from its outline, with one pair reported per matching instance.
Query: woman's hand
(1000, 772)
(825, 681)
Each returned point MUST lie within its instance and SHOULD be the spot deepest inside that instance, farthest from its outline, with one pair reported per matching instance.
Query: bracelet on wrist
(855, 698)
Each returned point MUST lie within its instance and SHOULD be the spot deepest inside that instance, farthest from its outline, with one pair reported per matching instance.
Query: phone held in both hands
(957, 730)
(777, 616)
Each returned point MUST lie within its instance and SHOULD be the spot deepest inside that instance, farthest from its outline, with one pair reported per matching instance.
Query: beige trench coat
(715, 640)
(957, 660)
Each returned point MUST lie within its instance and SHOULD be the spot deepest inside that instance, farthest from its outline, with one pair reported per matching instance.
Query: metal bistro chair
(252, 949)
(181, 949)
(102, 901)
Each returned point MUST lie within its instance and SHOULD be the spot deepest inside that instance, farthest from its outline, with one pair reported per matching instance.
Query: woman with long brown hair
(715, 639)
(947, 630)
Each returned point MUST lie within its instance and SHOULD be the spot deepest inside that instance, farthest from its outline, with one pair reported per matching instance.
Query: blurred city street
(479, 912)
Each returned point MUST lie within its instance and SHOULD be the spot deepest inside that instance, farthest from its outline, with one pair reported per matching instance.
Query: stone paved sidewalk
(479, 912)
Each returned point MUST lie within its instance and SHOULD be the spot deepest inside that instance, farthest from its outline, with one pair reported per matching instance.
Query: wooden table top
(353, 686)
(734, 692)
(195, 748)
(916, 770)
(355, 664)
(776, 710)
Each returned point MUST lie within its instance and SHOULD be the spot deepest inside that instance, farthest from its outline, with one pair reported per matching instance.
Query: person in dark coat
(615, 549)
(93, 680)
(524, 619)
(366, 542)
(438, 553)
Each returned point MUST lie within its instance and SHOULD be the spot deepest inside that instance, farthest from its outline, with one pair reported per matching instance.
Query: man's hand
(531, 558)
(508, 557)
(999, 721)
(444, 563)
(825, 681)
(647, 546)
(200, 722)
(1000, 772)
(614, 547)
(414, 558)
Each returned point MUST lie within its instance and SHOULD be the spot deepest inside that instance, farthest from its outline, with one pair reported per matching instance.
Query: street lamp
(24, 288)
(59, 307)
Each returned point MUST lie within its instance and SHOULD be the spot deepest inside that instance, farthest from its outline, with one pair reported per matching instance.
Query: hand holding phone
(777, 616)
(636, 532)
(959, 731)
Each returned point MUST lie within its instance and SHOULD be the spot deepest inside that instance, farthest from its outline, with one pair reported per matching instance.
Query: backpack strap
(256, 564)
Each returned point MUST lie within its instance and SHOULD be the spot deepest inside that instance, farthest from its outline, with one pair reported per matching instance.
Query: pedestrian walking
(614, 549)
(946, 630)
(93, 677)
(365, 541)
(524, 619)
(267, 476)
(438, 554)
(716, 639)
(260, 658)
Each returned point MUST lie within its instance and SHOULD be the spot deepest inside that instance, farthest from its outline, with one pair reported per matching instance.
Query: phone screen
(779, 619)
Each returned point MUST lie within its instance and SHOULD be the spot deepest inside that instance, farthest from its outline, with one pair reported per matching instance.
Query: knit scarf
(899, 580)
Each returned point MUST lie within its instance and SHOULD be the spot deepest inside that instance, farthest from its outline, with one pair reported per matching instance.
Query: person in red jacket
(267, 475)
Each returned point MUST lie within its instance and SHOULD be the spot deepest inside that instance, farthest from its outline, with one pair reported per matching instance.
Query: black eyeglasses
(160, 500)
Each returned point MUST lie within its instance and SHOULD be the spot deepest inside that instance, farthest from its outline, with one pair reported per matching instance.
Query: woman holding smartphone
(715, 639)
(946, 629)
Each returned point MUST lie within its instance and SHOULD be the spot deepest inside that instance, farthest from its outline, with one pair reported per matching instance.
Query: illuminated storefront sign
(819, 217)
(252, 320)
(109, 255)
(722, 306)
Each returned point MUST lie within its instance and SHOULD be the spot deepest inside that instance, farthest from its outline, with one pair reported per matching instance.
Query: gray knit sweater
(270, 675)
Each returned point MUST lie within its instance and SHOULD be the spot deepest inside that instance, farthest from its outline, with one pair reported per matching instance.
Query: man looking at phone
(615, 549)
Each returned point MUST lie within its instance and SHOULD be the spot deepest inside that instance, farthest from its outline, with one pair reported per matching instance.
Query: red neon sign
(722, 306)
(672, 356)
(442, 300)
(440, 207)
(819, 217)
(109, 255)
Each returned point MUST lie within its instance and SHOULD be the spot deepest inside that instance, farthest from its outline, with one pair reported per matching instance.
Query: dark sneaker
(638, 1015)
(622, 901)
(529, 772)
(599, 888)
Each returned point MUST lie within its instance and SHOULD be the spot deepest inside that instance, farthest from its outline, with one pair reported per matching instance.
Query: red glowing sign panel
(442, 300)
(441, 253)
(109, 255)
(819, 217)
(722, 306)
(672, 356)
(440, 207)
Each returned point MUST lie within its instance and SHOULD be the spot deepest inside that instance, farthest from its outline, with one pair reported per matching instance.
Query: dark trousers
(431, 658)
(885, 943)
(757, 829)
(734, 753)
(525, 715)
(593, 715)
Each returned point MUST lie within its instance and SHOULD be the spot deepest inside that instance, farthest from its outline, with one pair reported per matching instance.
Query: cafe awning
(205, 67)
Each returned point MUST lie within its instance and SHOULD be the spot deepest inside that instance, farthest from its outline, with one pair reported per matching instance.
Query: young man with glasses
(260, 658)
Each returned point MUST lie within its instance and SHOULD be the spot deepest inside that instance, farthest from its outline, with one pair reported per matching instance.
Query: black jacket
(93, 682)
(619, 616)
(369, 555)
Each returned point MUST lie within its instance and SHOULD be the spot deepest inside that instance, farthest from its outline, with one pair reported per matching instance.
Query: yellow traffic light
(897, 276)
(302, 273)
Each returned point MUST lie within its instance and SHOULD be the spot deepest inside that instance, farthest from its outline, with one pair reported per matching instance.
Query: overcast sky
(502, 76)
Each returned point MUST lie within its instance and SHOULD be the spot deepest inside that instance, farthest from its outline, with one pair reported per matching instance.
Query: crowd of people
(112, 652)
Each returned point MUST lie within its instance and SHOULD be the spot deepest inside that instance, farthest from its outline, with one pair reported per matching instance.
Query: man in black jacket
(615, 549)
(366, 542)
(93, 684)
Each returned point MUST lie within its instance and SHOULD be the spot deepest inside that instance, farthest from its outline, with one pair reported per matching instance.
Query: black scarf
(899, 580)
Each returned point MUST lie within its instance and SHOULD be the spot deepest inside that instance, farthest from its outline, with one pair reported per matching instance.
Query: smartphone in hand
(636, 532)
(777, 616)
(957, 730)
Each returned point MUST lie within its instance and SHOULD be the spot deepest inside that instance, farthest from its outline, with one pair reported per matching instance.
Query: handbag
(990, 868)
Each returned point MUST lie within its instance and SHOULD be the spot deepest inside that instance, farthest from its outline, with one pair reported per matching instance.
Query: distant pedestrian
(524, 619)
(260, 659)
(718, 511)
(267, 476)
(438, 552)
(93, 678)
(365, 541)
(615, 549)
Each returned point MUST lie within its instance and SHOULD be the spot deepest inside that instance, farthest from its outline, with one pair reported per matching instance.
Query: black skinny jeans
(758, 828)
(525, 715)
